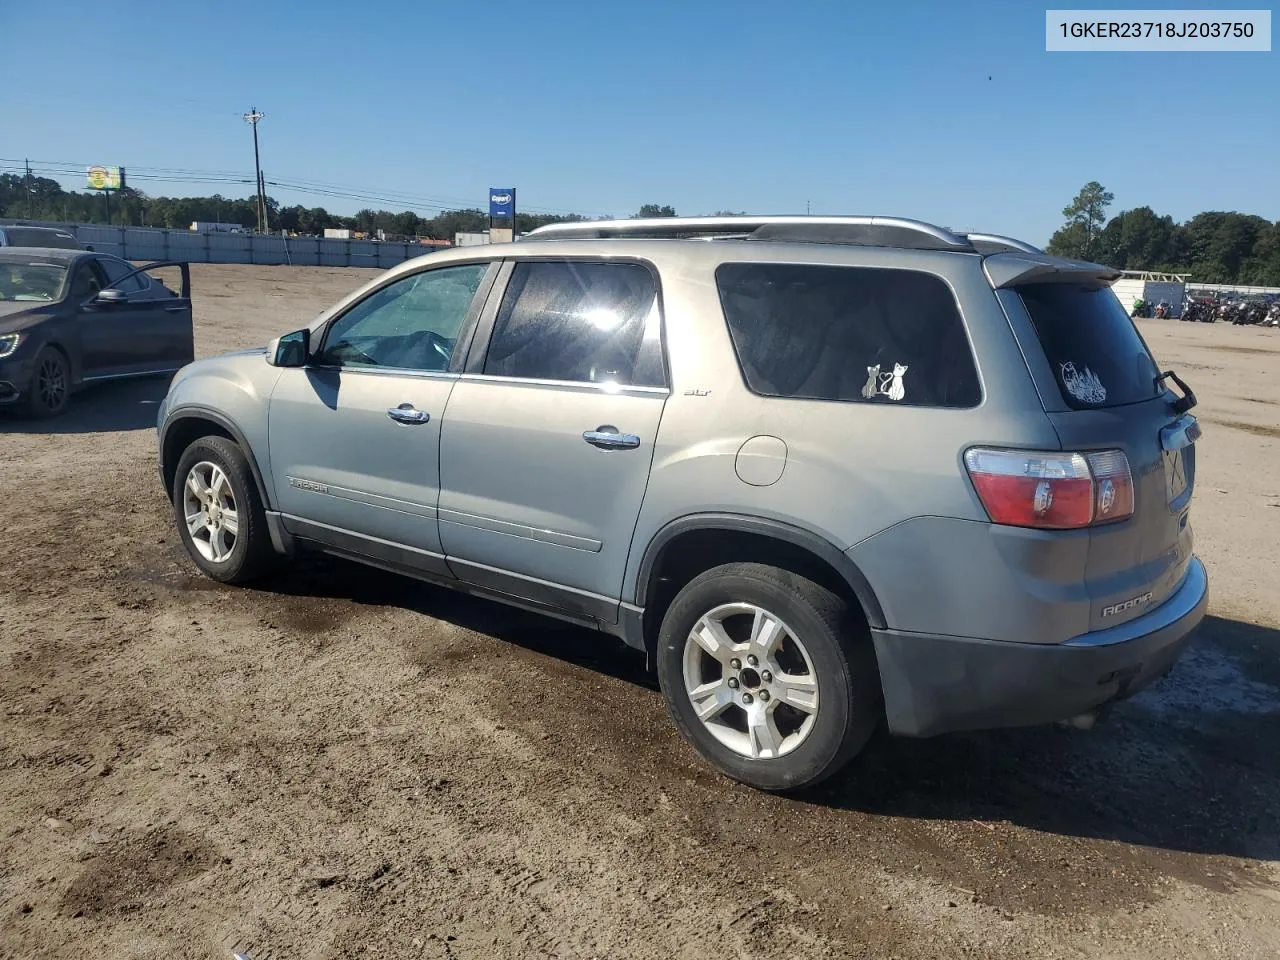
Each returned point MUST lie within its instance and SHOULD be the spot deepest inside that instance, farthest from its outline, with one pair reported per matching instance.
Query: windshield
(1098, 357)
(31, 281)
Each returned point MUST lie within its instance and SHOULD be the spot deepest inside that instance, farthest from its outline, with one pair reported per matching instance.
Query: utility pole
(252, 117)
(806, 208)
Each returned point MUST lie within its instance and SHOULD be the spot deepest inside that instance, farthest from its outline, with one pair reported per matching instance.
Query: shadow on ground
(327, 578)
(1192, 764)
(104, 408)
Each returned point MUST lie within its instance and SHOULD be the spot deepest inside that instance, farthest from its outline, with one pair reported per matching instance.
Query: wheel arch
(73, 361)
(188, 424)
(703, 540)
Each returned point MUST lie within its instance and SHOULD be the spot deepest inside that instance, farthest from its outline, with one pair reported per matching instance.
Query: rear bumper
(937, 684)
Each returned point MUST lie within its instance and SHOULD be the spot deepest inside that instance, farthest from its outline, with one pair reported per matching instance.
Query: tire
(227, 538)
(823, 660)
(50, 390)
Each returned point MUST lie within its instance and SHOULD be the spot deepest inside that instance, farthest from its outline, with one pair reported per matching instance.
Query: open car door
(163, 338)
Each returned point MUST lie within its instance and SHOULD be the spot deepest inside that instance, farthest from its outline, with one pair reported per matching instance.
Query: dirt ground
(344, 763)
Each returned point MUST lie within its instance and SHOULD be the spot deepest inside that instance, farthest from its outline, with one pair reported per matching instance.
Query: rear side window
(1096, 353)
(855, 334)
(582, 322)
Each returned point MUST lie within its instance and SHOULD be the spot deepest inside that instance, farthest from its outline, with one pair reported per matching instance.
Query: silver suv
(824, 471)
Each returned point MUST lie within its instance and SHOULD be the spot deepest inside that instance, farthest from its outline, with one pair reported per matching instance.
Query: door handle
(405, 413)
(607, 437)
(175, 309)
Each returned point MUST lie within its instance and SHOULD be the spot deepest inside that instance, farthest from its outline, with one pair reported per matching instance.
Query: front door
(159, 319)
(354, 436)
(546, 451)
(107, 332)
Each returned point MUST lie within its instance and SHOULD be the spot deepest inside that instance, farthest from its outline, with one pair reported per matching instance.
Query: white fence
(148, 243)
(1237, 288)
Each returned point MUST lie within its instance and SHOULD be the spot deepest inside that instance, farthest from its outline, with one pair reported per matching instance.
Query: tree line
(42, 198)
(1214, 247)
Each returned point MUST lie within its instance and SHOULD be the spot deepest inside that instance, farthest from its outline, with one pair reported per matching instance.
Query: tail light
(1051, 490)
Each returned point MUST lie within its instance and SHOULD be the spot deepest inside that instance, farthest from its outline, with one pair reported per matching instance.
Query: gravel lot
(347, 763)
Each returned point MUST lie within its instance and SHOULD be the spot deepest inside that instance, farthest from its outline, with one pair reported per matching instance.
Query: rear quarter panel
(851, 470)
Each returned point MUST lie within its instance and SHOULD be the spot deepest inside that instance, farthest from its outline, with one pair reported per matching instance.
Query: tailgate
(1135, 564)
(1102, 390)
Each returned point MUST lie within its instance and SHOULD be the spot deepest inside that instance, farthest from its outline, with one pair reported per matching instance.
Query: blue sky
(600, 107)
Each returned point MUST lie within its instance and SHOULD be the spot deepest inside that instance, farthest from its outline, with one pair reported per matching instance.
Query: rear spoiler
(1019, 269)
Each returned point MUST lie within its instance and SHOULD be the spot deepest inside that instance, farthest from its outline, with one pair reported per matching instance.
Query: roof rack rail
(994, 243)
(863, 231)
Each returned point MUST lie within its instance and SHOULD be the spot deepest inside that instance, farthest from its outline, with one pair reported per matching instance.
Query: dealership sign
(502, 203)
(104, 178)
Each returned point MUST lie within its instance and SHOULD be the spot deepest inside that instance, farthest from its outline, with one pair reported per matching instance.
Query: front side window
(411, 324)
(857, 334)
(580, 322)
(87, 281)
(117, 271)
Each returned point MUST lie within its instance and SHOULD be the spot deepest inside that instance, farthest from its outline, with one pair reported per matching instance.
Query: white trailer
(201, 226)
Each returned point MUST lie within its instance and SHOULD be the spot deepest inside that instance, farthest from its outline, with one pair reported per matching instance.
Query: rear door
(1102, 390)
(549, 436)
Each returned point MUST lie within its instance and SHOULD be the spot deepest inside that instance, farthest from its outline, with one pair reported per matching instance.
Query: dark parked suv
(827, 472)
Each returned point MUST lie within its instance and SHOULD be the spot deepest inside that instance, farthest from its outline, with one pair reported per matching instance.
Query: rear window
(26, 237)
(1096, 353)
(855, 334)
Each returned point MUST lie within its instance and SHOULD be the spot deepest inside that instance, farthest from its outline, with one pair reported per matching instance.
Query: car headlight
(9, 343)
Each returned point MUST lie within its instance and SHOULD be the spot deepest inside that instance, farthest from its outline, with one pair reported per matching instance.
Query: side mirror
(291, 350)
(111, 297)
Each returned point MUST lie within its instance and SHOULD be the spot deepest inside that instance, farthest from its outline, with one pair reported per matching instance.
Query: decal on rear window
(1085, 387)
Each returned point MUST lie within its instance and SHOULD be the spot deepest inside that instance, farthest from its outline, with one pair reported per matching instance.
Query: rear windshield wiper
(1188, 399)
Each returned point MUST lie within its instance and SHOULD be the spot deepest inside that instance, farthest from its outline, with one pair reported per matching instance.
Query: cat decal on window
(885, 384)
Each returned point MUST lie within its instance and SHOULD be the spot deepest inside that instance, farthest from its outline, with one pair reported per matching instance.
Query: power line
(300, 185)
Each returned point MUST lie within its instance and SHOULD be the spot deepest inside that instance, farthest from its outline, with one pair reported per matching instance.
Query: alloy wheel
(210, 511)
(750, 681)
(51, 382)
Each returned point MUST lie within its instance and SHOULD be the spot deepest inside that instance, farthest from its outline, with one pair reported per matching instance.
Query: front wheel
(219, 512)
(769, 675)
(50, 391)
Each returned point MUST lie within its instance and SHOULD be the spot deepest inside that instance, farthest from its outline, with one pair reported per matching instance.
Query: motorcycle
(1249, 314)
(1162, 310)
(1139, 309)
(1197, 312)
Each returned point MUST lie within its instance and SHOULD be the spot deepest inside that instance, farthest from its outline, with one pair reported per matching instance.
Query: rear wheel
(219, 512)
(769, 675)
(50, 391)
